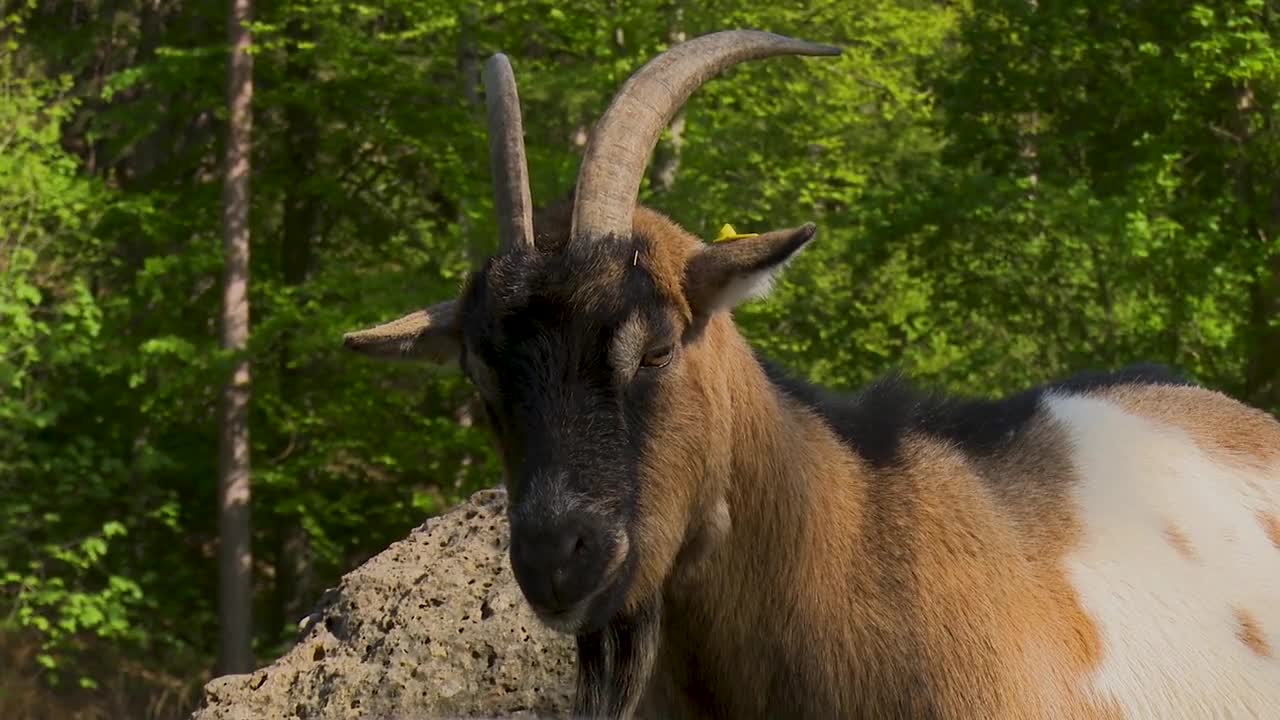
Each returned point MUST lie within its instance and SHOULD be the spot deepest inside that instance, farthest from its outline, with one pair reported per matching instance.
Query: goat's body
(1105, 548)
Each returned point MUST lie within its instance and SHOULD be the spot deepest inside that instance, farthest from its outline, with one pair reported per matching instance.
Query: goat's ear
(432, 335)
(725, 274)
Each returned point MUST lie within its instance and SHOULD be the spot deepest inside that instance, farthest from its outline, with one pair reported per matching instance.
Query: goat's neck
(792, 492)
(790, 481)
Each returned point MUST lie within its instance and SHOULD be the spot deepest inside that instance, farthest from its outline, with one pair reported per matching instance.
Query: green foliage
(1149, 132)
(1006, 191)
(53, 579)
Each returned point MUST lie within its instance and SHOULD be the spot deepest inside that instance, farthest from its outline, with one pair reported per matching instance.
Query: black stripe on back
(874, 421)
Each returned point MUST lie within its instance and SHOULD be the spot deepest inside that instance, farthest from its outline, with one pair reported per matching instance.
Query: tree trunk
(1028, 148)
(469, 71)
(1257, 195)
(235, 556)
(666, 156)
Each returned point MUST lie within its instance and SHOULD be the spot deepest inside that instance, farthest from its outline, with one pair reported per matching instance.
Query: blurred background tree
(1006, 191)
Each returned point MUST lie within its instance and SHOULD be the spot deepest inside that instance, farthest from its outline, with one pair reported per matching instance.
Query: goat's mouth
(568, 621)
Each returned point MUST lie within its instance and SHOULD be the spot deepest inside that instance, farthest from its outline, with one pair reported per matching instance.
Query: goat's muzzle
(562, 563)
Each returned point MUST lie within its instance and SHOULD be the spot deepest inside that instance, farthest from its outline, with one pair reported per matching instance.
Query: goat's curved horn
(623, 140)
(506, 156)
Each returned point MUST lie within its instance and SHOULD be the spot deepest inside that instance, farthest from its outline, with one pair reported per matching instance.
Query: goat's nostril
(557, 585)
(572, 547)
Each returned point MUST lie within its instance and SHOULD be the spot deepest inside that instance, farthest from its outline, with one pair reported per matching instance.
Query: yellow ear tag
(727, 233)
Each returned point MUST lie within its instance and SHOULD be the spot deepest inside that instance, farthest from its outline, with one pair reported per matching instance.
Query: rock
(432, 627)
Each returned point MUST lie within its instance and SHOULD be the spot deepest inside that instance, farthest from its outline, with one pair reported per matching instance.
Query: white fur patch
(746, 287)
(752, 286)
(1172, 643)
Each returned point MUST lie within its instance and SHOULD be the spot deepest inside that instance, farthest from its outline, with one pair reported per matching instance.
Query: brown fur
(1271, 524)
(1179, 541)
(925, 592)
(1227, 429)
(1250, 634)
(664, 256)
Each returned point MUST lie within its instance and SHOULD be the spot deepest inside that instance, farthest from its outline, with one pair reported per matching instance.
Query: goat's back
(1103, 547)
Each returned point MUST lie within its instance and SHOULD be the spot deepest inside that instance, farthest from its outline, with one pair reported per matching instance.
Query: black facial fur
(566, 421)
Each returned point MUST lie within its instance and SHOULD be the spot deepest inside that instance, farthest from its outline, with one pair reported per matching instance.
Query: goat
(727, 541)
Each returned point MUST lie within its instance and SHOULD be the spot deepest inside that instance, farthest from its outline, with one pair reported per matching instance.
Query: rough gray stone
(433, 627)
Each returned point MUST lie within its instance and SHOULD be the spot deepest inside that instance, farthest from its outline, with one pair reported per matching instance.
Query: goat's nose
(559, 563)
(570, 551)
(571, 545)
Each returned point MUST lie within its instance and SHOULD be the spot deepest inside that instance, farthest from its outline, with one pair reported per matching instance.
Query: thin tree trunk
(469, 71)
(1028, 148)
(1262, 372)
(1264, 375)
(235, 556)
(666, 156)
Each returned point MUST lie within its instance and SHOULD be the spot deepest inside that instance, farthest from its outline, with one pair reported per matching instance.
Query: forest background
(1007, 190)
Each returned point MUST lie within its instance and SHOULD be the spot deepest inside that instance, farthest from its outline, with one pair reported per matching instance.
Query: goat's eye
(658, 357)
